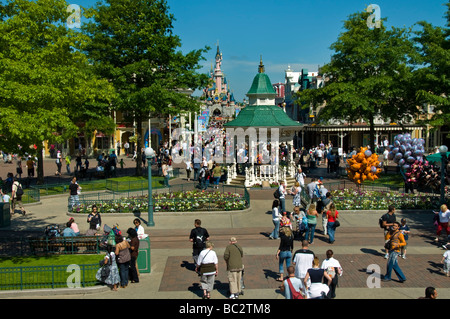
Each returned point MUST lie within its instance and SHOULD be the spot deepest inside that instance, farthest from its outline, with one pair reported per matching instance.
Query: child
(446, 260)
(121, 163)
(405, 231)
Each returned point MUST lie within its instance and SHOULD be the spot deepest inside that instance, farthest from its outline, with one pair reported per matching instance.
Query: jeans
(276, 230)
(309, 236)
(392, 264)
(282, 205)
(284, 255)
(331, 230)
(124, 272)
(166, 181)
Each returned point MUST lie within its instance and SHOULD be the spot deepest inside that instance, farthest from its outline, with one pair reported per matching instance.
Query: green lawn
(395, 180)
(33, 261)
(39, 272)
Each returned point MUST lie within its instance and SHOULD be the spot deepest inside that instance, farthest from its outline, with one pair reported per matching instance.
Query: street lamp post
(150, 154)
(443, 150)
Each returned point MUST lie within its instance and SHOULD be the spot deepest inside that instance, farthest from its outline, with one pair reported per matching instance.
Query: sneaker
(404, 257)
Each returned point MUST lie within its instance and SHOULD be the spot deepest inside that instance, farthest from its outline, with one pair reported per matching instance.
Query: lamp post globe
(149, 154)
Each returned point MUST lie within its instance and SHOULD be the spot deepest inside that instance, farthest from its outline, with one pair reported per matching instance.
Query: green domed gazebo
(263, 114)
(262, 111)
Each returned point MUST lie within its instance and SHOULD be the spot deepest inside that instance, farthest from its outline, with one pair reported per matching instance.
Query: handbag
(294, 293)
(337, 224)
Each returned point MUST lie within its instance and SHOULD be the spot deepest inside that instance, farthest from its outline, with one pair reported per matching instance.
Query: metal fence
(40, 277)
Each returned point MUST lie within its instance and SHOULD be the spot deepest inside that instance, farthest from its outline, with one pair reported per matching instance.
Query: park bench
(65, 245)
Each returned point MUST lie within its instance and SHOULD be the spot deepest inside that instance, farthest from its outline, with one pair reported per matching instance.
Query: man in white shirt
(303, 260)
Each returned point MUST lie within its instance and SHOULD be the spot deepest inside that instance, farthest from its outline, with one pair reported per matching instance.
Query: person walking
(314, 279)
(446, 260)
(296, 191)
(74, 199)
(387, 220)
(207, 266)
(284, 252)
(276, 216)
(443, 222)
(165, 172)
(311, 215)
(282, 191)
(16, 195)
(233, 257)
(334, 269)
(332, 216)
(302, 260)
(198, 238)
(292, 282)
(395, 241)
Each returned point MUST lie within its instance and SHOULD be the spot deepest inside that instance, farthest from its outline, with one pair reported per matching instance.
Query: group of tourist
(206, 261)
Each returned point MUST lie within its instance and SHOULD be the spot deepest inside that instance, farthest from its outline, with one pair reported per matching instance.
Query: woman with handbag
(207, 266)
(123, 259)
(333, 223)
(109, 276)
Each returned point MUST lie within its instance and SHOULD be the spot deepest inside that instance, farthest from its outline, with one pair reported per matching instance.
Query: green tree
(369, 76)
(434, 75)
(45, 80)
(133, 46)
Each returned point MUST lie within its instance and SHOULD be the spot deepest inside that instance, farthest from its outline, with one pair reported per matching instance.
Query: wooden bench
(65, 245)
(392, 169)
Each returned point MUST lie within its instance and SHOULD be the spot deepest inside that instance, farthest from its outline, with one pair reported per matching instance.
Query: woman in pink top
(332, 215)
(74, 226)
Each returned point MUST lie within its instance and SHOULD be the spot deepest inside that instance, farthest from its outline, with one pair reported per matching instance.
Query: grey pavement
(169, 240)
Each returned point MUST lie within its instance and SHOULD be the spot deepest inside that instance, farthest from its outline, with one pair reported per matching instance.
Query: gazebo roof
(262, 115)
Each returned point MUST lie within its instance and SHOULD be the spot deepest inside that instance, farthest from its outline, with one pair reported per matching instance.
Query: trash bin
(143, 260)
(5, 215)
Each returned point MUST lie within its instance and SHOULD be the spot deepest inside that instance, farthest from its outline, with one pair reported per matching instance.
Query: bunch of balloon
(406, 150)
(363, 166)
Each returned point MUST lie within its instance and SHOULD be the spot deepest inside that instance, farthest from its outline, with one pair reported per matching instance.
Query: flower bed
(169, 202)
(380, 200)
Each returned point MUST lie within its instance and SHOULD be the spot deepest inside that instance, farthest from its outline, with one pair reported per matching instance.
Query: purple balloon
(398, 155)
(367, 153)
(401, 162)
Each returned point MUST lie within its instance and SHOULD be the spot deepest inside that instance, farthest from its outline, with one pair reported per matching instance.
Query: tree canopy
(369, 76)
(133, 46)
(46, 84)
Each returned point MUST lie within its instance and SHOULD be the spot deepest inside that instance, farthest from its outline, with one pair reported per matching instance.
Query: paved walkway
(358, 247)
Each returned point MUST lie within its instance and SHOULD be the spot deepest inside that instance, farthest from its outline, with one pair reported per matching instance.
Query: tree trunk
(372, 133)
(40, 166)
(138, 121)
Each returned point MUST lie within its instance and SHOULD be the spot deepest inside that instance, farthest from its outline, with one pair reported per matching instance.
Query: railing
(39, 277)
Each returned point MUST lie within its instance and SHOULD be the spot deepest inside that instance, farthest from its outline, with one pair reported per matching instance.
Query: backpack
(19, 191)
(294, 293)
(381, 220)
(199, 239)
(277, 194)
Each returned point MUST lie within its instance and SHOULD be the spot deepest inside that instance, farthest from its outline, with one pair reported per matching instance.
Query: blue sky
(290, 32)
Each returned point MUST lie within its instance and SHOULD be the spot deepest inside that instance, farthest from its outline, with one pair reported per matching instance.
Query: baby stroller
(109, 234)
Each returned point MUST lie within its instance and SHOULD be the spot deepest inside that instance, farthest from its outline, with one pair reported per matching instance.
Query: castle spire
(261, 66)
